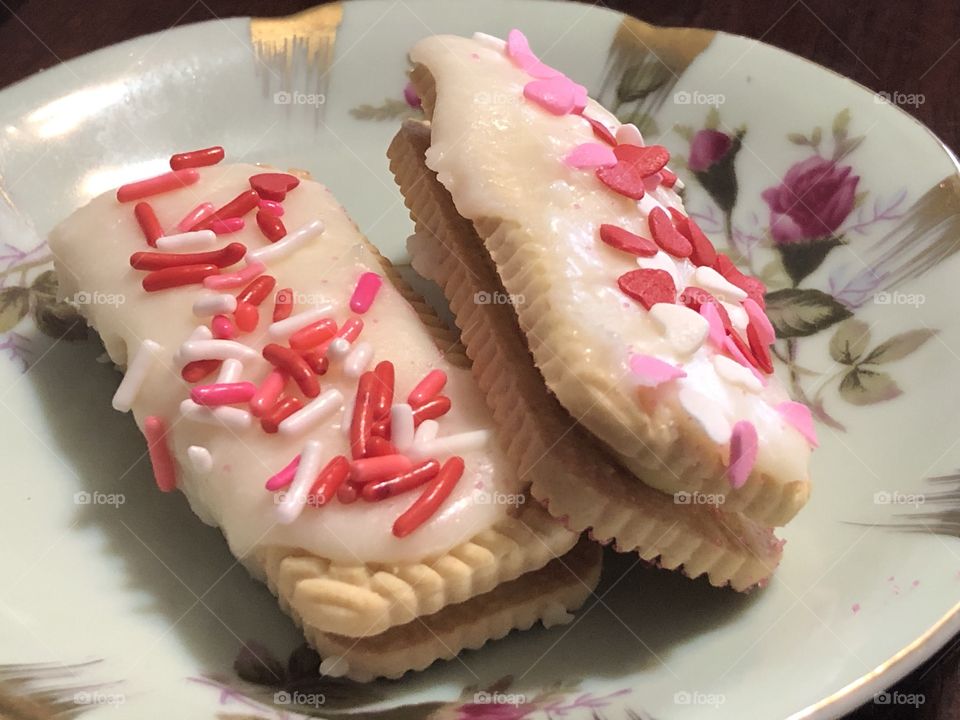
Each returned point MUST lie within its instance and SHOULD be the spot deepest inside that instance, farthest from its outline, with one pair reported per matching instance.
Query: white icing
(93, 247)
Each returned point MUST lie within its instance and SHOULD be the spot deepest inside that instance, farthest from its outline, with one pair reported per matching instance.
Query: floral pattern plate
(117, 602)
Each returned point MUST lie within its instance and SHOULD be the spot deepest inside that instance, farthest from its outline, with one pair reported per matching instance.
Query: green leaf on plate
(59, 320)
(798, 312)
(840, 124)
(899, 346)
(798, 138)
(866, 387)
(849, 342)
(45, 283)
(14, 305)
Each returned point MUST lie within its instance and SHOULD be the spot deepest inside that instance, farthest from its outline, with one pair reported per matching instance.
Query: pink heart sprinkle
(717, 334)
(799, 415)
(743, 453)
(557, 95)
(591, 155)
(518, 50)
(760, 321)
(652, 182)
(734, 352)
(517, 44)
(651, 371)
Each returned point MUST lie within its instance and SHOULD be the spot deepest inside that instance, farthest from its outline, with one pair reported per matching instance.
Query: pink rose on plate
(811, 202)
(707, 148)
(493, 711)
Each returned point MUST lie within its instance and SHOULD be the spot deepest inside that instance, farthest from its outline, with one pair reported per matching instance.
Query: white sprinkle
(358, 359)
(200, 459)
(230, 371)
(738, 316)
(201, 332)
(295, 497)
(706, 412)
(716, 284)
(451, 444)
(214, 305)
(685, 329)
(315, 411)
(736, 374)
(334, 666)
(216, 350)
(228, 416)
(196, 240)
(401, 426)
(347, 417)
(425, 433)
(629, 134)
(288, 244)
(136, 374)
(282, 329)
(338, 348)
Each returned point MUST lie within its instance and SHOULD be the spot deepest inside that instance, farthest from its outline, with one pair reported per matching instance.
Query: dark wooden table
(888, 45)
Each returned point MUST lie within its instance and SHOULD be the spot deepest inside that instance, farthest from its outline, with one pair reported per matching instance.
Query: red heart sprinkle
(750, 285)
(703, 251)
(667, 236)
(743, 347)
(273, 186)
(617, 237)
(669, 178)
(760, 351)
(645, 160)
(648, 287)
(600, 130)
(621, 179)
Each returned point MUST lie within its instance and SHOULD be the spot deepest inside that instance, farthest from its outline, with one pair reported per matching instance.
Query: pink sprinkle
(652, 182)
(267, 394)
(164, 471)
(591, 155)
(651, 371)
(717, 333)
(556, 95)
(518, 50)
(271, 207)
(743, 453)
(760, 321)
(160, 184)
(734, 352)
(365, 292)
(799, 415)
(350, 330)
(284, 477)
(227, 225)
(372, 469)
(223, 393)
(223, 328)
(855, 607)
(233, 280)
(200, 212)
(410, 96)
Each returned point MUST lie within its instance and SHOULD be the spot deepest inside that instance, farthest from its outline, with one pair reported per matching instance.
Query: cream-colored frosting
(92, 249)
(502, 156)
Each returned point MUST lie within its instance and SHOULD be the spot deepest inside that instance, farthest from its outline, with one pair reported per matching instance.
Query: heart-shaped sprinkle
(648, 287)
(703, 251)
(633, 165)
(273, 186)
(669, 178)
(736, 374)
(760, 352)
(617, 237)
(712, 281)
(750, 285)
(667, 236)
(651, 372)
(711, 313)
(645, 160)
(590, 155)
(743, 453)
(600, 130)
(629, 134)
(518, 50)
(758, 318)
(684, 329)
(738, 349)
(557, 95)
(800, 417)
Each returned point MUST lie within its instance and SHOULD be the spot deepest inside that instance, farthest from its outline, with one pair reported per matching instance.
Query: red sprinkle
(427, 389)
(273, 186)
(148, 222)
(224, 257)
(313, 334)
(694, 298)
(634, 164)
(172, 277)
(648, 287)
(238, 207)
(317, 362)
(197, 158)
(669, 177)
(271, 226)
(600, 130)
(351, 329)
(373, 469)
(378, 446)
(268, 393)
(256, 292)
(154, 186)
(164, 471)
(750, 285)
(286, 406)
(285, 359)
(223, 393)
(363, 415)
(329, 481)
(223, 327)
(246, 316)
(621, 239)
(432, 409)
(432, 498)
(667, 236)
(283, 306)
(385, 377)
(703, 252)
(760, 351)
(420, 475)
(197, 370)
(347, 493)
(743, 347)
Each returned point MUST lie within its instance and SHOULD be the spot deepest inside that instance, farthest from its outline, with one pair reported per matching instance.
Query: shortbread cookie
(651, 339)
(287, 387)
(569, 470)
